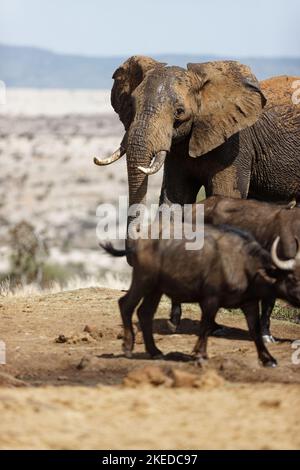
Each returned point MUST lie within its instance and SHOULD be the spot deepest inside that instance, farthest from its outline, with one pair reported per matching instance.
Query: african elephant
(210, 126)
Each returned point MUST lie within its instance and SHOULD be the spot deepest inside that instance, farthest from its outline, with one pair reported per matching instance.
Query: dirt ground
(66, 388)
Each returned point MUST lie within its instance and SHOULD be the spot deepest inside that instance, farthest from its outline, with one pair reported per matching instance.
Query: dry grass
(107, 280)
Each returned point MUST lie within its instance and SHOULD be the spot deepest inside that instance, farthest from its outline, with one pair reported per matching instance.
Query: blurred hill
(31, 67)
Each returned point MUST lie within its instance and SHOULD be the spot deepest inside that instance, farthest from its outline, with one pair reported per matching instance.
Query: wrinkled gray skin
(211, 121)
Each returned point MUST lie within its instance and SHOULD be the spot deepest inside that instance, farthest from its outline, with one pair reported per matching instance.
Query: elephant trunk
(147, 145)
(138, 152)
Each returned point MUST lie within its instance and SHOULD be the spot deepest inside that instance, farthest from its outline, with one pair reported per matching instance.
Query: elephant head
(160, 105)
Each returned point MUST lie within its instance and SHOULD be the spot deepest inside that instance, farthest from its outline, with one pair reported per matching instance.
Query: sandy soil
(66, 384)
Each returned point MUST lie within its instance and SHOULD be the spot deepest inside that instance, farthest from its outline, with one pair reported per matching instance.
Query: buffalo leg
(207, 323)
(127, 304)
(175, 317)
(251, 312)
(145, 315)
(267, 306)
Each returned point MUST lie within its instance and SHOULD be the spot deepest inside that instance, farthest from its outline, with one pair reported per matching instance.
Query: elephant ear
(126, 79)
(229, 99)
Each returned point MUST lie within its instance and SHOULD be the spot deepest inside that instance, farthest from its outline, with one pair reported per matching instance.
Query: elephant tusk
(115, 156)
(285, 265)
(156, 163)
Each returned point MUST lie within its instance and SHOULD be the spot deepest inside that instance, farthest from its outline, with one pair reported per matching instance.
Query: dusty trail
(70, 393)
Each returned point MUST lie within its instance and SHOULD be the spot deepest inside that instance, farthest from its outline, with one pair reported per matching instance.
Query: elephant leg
(230, 172)
(226, 182)
(266, 311)
(179, 185)
(177, 188)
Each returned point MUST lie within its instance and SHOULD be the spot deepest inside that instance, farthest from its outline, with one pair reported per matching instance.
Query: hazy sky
(120, 27)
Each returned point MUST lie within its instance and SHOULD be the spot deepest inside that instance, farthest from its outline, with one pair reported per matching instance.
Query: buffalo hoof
(200, 361)
(172, 327)
(128, 354)
(158, 356)
(269, 339)
(270, 363)
(127, 350)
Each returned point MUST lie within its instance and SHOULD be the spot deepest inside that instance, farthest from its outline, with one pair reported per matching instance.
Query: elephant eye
(179, 113)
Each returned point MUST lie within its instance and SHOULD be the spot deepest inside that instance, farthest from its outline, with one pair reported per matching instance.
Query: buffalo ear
(126, 78)
(229, 99)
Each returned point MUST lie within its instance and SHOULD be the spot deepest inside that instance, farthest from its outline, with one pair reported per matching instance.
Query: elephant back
(280, 91)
